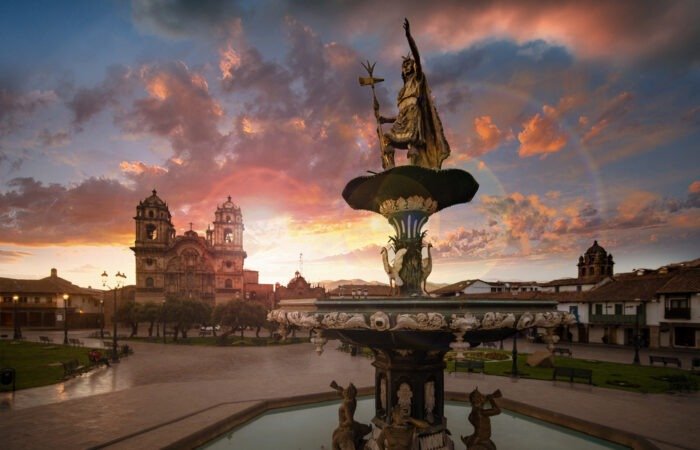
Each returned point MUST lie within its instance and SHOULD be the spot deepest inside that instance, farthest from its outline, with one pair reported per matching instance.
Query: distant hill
(332, 284)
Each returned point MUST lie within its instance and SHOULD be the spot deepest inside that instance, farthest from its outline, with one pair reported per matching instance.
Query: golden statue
(401, 433)
(349, 434)
(417, 127)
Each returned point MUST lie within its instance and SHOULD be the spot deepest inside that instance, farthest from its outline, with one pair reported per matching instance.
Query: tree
(129, 313)
(184, 313)
(236, 315)
(149, 312)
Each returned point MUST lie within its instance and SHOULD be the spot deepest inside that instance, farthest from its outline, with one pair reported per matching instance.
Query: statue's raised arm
(414, 48)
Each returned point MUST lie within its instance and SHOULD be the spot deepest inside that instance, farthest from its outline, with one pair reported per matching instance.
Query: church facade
(209, 268)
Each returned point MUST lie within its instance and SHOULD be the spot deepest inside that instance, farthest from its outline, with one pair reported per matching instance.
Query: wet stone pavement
(162, 393)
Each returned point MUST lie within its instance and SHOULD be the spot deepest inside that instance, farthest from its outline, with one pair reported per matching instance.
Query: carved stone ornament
(277, 315)
(464, 323)
(429, 395)
(404, 394)
(412, 203)
(568, 319)
(302, 319)
(379, 321)
(421, 321)
(318, 340)
(548, 319)
(344, 320)
(525, 321)
(497, 320)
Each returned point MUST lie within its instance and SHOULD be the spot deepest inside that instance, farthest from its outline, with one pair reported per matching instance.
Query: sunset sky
(580, 121)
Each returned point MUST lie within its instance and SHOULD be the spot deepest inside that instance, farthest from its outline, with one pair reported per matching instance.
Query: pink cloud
(488, 137)
(694, 187)
(541, 134)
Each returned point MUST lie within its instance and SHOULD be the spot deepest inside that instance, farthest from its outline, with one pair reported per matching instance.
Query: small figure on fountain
(401, 433)
(480, 418)
(349, 434)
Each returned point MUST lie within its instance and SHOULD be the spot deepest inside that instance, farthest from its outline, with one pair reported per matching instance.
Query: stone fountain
(410, 332)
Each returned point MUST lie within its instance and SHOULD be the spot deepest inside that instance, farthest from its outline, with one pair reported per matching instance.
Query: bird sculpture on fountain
(393, 269)
(426, 268)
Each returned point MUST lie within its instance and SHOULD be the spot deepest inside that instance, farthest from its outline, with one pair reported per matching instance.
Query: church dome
(596, 250)
(154, 200)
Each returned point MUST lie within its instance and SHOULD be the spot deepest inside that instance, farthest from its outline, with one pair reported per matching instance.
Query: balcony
(616, 319)
(677, 313)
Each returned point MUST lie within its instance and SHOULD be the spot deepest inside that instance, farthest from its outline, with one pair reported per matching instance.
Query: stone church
(207, 268)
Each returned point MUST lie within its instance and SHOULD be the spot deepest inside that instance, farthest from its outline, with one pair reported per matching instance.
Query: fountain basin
(306, 426)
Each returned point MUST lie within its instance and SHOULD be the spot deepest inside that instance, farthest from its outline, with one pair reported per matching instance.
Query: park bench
(562, 351)
(665, 360)
(45, 339)
(470, 365)
(72, 367)
(695, 365)
(75, 342)
(572, 373)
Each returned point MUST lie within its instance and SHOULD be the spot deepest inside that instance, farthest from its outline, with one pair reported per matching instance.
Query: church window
(228, 235)
(228, 219)
(149, 282)
(229, 264)
(150, 214)
(228, 284)
(149, 261)
(151, 232)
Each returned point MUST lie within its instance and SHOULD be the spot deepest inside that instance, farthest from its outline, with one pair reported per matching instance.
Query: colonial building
(299, 288)
(207, 268)
(40, 303)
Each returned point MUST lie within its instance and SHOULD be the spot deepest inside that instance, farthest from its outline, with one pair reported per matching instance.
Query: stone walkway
(163, 393)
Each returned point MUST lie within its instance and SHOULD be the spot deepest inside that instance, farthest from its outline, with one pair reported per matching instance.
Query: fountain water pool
(306, 428)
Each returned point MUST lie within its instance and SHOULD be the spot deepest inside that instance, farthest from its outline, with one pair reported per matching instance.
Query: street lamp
(637, 336)
(119, 280)
(163, 312)
(66, 299)
(18, 331)
(102, 319)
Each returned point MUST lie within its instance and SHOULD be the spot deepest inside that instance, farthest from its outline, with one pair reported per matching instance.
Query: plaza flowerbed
(629, 377)
(234, 341)
(38, 364)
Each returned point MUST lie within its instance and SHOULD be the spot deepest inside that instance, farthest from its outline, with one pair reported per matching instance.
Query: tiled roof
(454, 288)
(628, 288)
(561, 297)
(687, 280)
(573, 281)
(48, 285)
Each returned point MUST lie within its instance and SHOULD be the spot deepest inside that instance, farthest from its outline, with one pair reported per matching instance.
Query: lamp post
(66, 299)
(102, 319)
(514, 368)
(637, 337)
(119, 280)
(18, 331)
(162, 310)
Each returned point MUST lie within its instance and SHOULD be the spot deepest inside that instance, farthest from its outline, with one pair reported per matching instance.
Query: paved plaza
(163, 393)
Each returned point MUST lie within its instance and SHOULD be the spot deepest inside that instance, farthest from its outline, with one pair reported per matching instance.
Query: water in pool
(310, 428)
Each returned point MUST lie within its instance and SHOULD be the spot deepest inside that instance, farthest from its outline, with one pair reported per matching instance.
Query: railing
(616, 319)
(677, 313)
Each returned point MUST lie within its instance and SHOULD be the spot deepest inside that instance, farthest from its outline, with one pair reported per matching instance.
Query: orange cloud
(138, 167)
(541, 134)
(694, 187)
(488, 136)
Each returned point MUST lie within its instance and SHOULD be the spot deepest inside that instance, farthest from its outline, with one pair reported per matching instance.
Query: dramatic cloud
(95, 211)
(470, 243)
(488, 137)
(541, 134)
(614, 111)
(12, 256)
(16, 107)
(182, 18)
(49, 139)
(87, 102)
